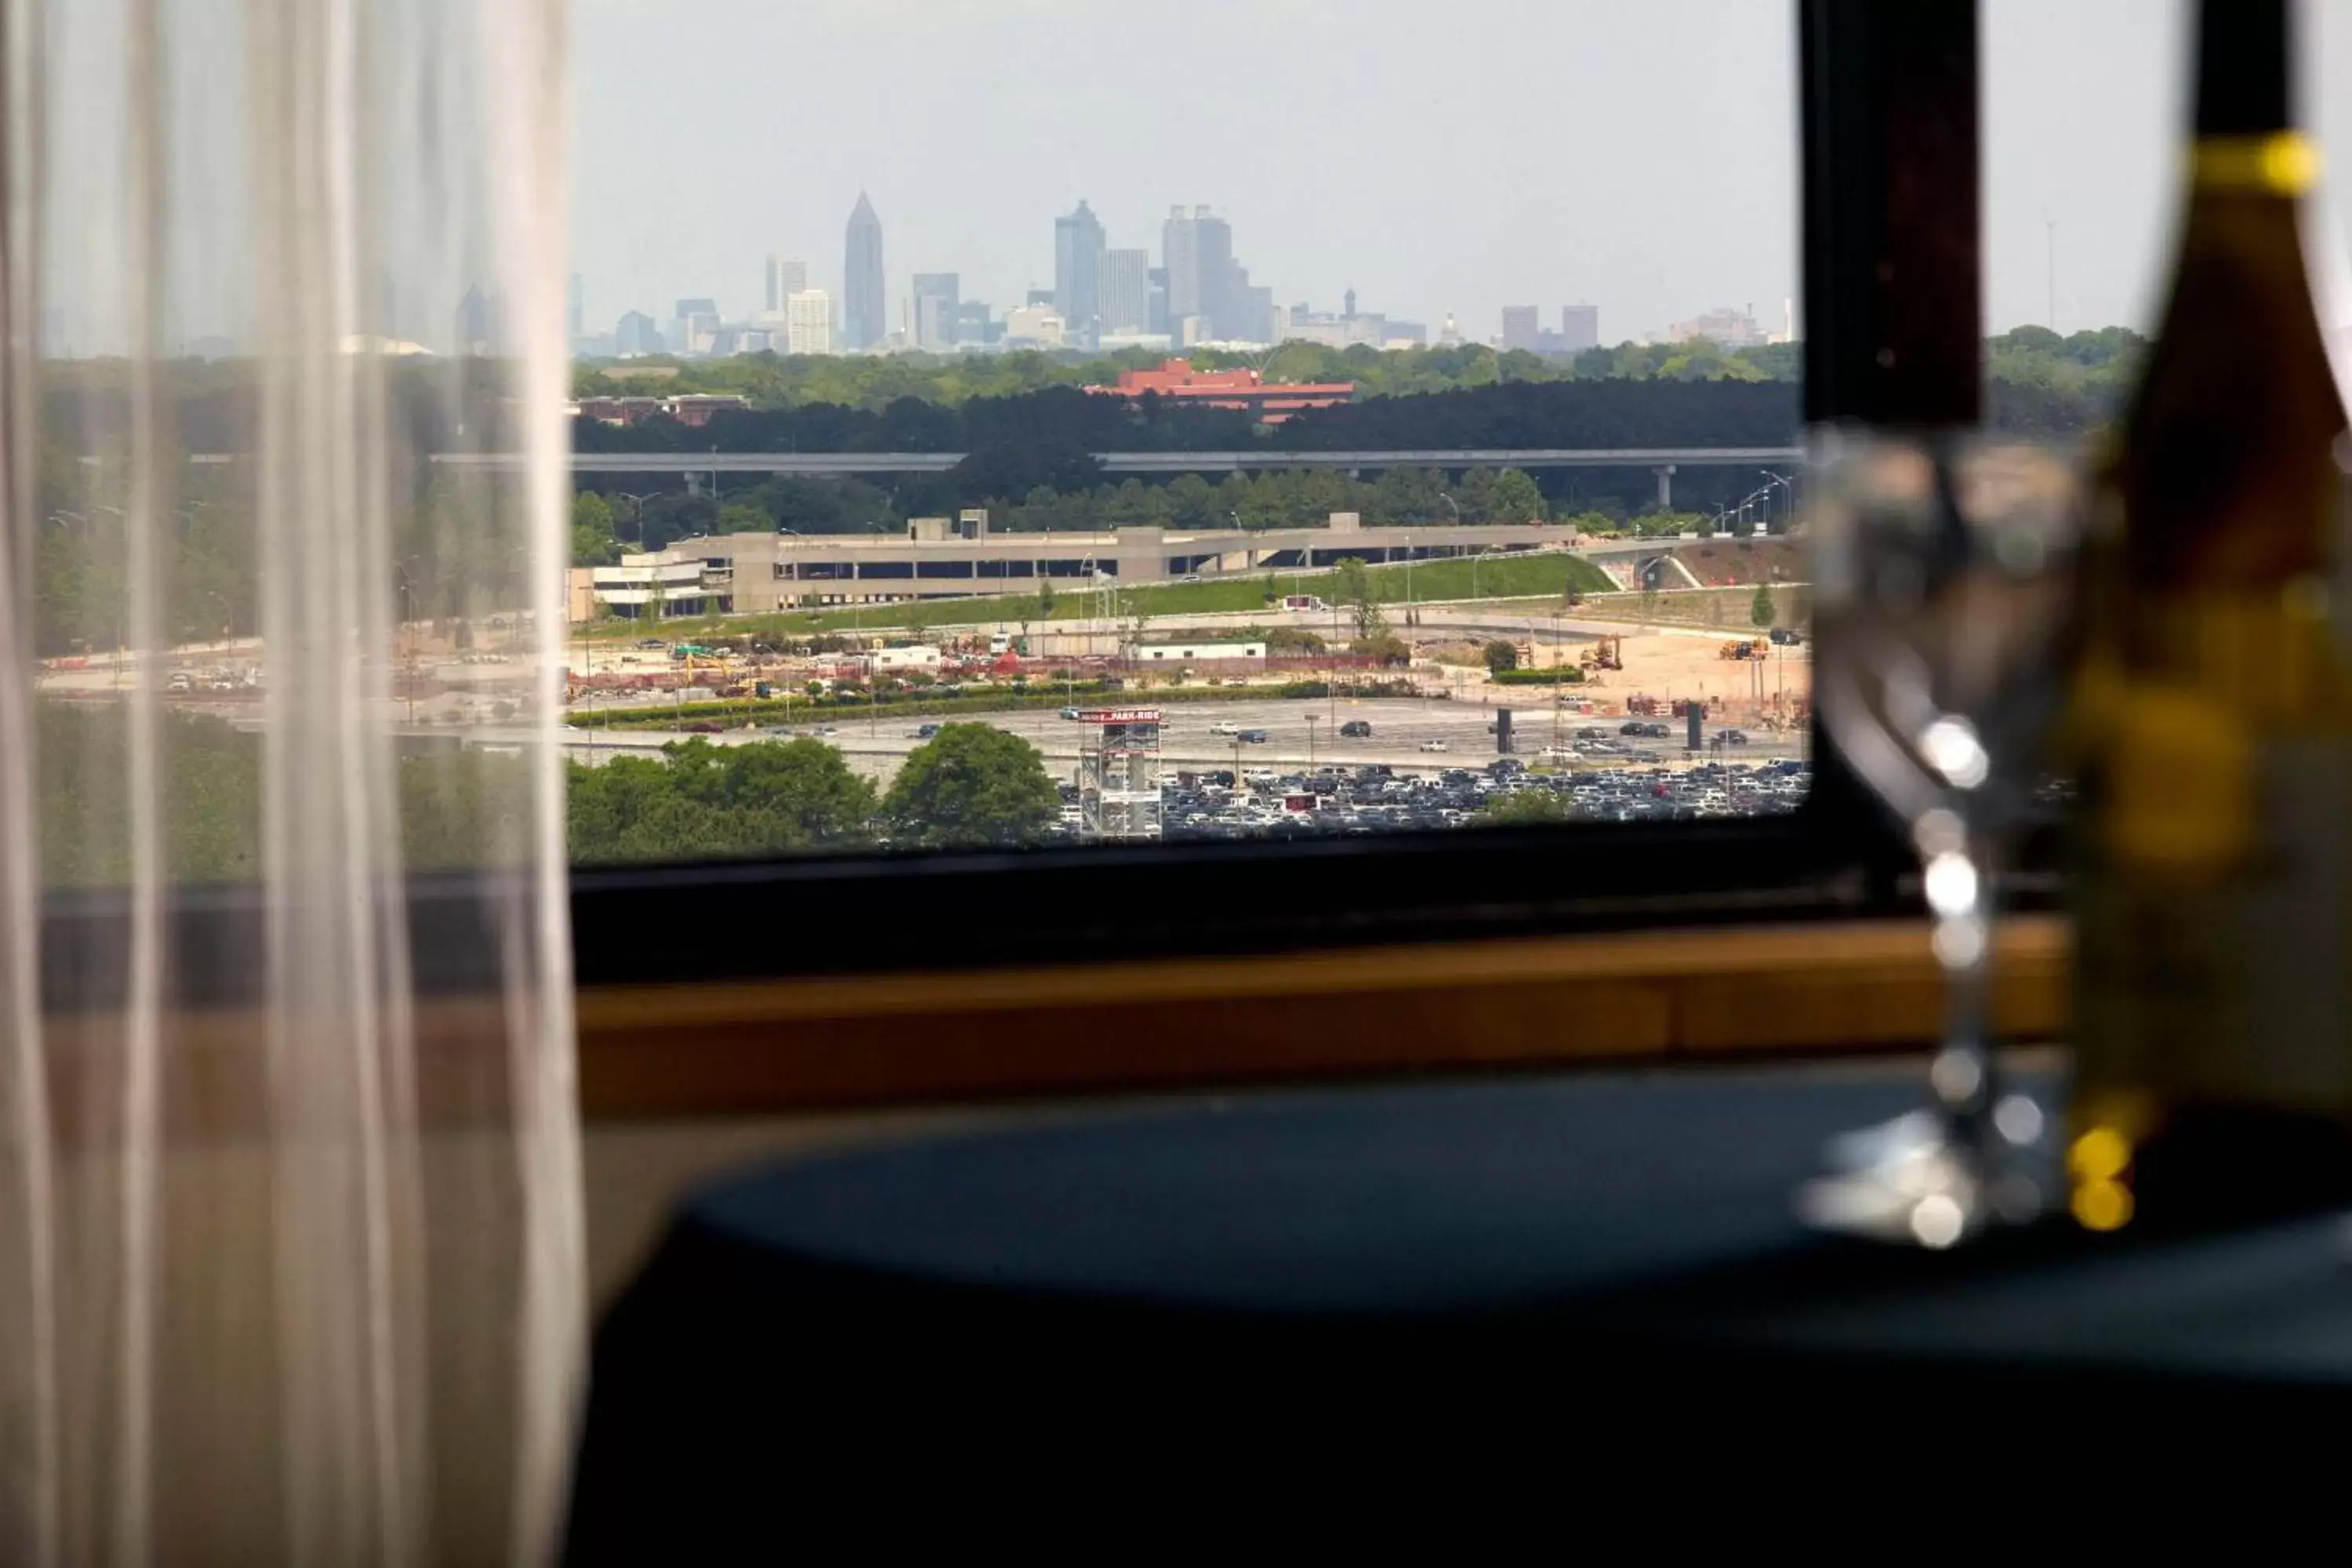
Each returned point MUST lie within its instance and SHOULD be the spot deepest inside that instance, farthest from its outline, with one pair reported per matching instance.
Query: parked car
(1225, 727)
(1433, 746)
(1355, 730)
(1632, 727)
(1253, 737)
(651, 642)
(1788, 637)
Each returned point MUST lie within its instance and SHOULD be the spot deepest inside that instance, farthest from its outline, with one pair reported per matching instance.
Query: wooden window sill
(764, 1047)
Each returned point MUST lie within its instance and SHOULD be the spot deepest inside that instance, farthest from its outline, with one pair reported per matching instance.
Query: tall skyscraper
(1180, 254)
(637, 334)
(787, 276)
(1519, 329)
(936, 310)
(1580, 327)
(1222, 285)
(1078, 274)
(808, 321)
(1203, 279)
(1127, 291)
(866, 312)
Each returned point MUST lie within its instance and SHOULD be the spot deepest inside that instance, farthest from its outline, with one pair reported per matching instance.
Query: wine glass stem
(1962, 1073)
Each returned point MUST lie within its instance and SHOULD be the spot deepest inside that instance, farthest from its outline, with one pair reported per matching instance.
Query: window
(1067, 424)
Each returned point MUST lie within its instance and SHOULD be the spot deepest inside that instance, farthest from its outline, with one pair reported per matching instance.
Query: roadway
(877, 745)
(1226, 462)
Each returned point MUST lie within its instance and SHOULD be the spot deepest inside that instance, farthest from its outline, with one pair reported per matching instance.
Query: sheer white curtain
(290, 1216)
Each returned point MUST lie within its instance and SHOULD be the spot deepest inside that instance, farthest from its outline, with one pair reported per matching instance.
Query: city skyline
(1436, 159)
(1199, 294)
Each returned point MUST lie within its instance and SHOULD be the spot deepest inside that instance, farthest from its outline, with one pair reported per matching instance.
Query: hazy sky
(1459, 156)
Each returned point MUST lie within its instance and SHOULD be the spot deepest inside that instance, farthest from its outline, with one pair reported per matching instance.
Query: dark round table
(1300, 1279)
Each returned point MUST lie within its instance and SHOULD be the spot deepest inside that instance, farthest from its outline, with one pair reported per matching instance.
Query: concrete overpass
(1660, 460)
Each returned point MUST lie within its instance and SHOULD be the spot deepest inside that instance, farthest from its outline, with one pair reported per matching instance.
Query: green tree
(595, 542)
(1352, 587)
(704, 802)
(1501, 656)
(1515, 499)
(1044, 598)
(1760, 611)
(972, 785)
(1524, 808)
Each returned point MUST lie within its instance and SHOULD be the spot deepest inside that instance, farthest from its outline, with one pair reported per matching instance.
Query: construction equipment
(1603, 655)
(1744, 648)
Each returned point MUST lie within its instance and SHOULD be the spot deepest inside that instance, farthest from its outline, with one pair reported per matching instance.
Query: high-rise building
(1078, 274)
(1179, 255)
(787, 276)
(1203, 279)
(1035, 326)
(808, 321)
(693, 327)
(1521, 330)
(637, 334)
(1221, 281)
(1580, 327)
(936, 311)
(1257, 326)
(866, 313)
(1732, 329)
(1127, 291)
(973, 325)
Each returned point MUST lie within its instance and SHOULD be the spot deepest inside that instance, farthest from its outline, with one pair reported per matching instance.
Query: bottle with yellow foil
(2213, 712)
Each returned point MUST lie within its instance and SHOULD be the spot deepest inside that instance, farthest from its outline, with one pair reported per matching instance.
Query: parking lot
(1340, 801)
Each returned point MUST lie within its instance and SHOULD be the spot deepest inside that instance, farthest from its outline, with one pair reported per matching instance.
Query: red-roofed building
(1271, 402)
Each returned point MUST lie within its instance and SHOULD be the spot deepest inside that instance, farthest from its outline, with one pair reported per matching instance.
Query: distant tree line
(1028, 453)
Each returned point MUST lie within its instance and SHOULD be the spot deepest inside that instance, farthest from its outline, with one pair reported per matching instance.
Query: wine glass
(1944, 595)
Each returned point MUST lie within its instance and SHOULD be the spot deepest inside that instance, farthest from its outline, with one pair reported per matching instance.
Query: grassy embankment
(1547, 575)
(1728, 610)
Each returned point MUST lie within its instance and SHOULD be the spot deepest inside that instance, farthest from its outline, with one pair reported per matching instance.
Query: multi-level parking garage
(943, 558)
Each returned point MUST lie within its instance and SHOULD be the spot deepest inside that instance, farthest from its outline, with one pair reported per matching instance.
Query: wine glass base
(1910, 1182)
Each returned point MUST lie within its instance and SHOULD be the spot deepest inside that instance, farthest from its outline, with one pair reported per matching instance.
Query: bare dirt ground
(1676, 664)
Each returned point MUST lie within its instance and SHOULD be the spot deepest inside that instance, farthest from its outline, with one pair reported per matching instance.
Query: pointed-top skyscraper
(1078, 251)
(865, 315)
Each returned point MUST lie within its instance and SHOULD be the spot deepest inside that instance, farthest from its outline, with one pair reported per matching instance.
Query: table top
(1296, 1284)
(1662, 1197)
